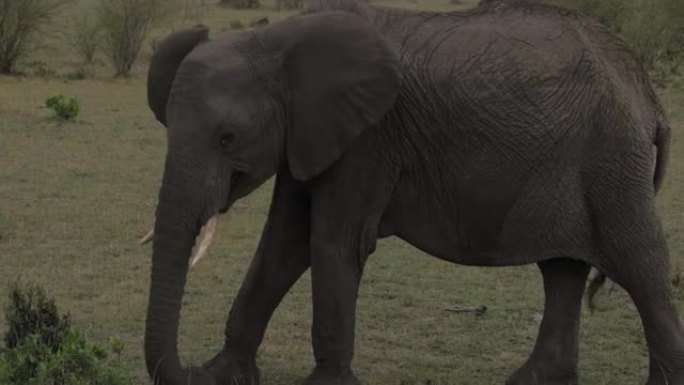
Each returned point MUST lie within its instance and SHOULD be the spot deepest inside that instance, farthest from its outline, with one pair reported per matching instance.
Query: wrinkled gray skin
(505, 135)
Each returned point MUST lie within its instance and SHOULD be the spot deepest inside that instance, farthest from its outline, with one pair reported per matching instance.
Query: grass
(75, 197)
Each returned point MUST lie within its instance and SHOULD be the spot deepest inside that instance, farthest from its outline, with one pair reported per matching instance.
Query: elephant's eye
(227, 139)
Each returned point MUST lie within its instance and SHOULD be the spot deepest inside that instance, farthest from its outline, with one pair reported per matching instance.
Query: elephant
(507, 134)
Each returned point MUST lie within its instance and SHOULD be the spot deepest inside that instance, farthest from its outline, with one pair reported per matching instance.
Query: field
(75, 198)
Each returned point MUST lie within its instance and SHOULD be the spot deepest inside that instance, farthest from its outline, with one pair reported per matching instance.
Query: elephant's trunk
(181, 211)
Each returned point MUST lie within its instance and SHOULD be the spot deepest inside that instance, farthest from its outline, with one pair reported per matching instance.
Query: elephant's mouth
(239, 187)
(207, 227)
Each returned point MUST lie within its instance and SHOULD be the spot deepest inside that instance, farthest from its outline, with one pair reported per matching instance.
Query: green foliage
(74, 363)
(4, 373)
(125, 25)
(30, 312)
(42, 349)
(20, 22)
(64, 110)
(654, 28)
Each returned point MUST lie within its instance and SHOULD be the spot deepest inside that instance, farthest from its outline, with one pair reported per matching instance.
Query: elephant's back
(522, 63)
(532, 40)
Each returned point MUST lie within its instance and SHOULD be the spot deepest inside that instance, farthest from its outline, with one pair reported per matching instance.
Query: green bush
(74, 363)
(32, 313)
(42, 349)
(64, 110)
(654, 28)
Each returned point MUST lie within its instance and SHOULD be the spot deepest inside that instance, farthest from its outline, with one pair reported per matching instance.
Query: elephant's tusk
(204, 239)
(148, 237)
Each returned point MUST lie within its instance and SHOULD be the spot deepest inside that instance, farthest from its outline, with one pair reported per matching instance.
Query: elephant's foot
(540, 373)
(230, 369)
(661, 379)
(332, 377)
(658, 375)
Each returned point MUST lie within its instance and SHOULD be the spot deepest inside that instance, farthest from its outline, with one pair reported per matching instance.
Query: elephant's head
(288, 97)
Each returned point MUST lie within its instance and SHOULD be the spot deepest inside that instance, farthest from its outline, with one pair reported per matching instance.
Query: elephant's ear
(342, 78)
(165, 62)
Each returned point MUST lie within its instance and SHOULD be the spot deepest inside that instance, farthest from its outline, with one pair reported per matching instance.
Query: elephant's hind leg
(554, 358)
(634, 255)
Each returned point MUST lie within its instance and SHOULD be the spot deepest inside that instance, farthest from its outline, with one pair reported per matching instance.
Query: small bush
(64, 110)
(4, 373)
(125, 25)
(74, 363)
(31, 313)
(42, 349)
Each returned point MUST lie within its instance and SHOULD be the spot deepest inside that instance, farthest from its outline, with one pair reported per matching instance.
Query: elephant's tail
(661, 141)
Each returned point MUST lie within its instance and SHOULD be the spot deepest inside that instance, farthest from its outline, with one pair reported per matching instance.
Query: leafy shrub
(63, 109)
(42, 349)
(654, 28)
(4, 373)
(125, 25)
(74, 363)
(20, 22)
(31, 313)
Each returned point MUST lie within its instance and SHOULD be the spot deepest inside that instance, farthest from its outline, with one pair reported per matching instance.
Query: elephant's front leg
(343, 233)
(555, 355)
(281, 258)
(335, 275)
